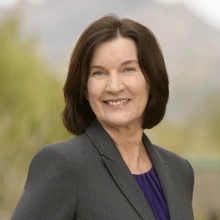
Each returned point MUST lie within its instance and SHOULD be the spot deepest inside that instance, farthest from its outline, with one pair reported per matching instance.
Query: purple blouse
(152, 190)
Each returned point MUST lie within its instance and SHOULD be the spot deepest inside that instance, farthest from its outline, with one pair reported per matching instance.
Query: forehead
(114, 51)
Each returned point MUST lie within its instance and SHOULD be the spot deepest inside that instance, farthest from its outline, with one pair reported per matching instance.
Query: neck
(128, 140)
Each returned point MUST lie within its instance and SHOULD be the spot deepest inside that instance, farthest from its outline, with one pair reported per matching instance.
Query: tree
(30, 103)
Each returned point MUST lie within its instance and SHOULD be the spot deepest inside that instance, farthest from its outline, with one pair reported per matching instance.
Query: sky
(209, 10)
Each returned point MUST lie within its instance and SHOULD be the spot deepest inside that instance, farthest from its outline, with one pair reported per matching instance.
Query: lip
(119, 106)
(115, 100)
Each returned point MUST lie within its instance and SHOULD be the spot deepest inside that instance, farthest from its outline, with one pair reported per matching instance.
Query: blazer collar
(164, 175)
(103, 142)
(123, 177)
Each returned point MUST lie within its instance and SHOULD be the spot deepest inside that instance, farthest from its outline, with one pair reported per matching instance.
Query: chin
(117, 123)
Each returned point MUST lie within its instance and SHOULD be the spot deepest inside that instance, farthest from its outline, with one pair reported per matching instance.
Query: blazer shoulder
(178, 165)
(174, 160)
(73, 142)
(50, 171)
(77, 148)
(168, 155)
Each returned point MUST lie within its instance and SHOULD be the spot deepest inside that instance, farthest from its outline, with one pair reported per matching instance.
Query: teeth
(117, 102)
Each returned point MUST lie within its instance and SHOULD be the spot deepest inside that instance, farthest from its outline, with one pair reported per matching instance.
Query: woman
(117, 86)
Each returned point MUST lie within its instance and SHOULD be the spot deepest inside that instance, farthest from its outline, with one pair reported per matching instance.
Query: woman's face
(117, 89)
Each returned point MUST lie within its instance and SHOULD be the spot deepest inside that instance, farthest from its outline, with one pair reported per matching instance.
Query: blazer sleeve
(192, 177)
(50, 191)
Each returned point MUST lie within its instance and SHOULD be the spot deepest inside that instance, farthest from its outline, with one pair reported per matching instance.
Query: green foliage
(196, 137)
(30, 103)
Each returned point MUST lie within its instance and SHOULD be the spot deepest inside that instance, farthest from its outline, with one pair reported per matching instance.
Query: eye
(129, 69)
(98, 73)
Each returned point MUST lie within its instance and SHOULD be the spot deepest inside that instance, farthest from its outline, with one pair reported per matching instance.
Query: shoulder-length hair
(77, 114)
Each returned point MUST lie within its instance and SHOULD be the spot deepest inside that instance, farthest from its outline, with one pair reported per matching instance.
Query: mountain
(191, 47)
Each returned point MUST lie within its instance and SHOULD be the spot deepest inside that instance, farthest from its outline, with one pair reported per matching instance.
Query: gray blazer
(85, 178)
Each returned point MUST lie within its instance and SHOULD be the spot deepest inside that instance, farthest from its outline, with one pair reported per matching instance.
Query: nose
(114, 84)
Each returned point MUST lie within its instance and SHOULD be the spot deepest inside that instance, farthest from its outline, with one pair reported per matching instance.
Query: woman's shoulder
(174, 160)
(77, 142)
(167, 154)
(73, 143)
(179, 166)
(75, 148)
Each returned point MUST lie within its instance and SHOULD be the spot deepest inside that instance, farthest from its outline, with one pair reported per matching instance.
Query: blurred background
(36, 40)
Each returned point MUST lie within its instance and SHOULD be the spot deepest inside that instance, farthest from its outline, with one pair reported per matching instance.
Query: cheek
(142, 94)
(94, 90)
(90, 88)
(141, 88)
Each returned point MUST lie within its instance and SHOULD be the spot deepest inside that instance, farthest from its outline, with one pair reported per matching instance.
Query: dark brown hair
(77, 114)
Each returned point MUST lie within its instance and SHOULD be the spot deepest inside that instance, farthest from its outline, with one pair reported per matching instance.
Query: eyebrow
(123, 63)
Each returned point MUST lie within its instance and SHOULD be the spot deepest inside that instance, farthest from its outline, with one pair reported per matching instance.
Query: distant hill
(191, 47)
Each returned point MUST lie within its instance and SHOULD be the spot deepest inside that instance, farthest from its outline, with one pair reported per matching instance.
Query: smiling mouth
(119, 102)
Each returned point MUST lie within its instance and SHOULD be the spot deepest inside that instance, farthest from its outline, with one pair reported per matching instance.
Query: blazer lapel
(119, 170)
(165, 178)
(124, 179)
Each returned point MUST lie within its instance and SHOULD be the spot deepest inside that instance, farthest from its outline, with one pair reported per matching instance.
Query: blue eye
(98, 73)
(129, 69)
